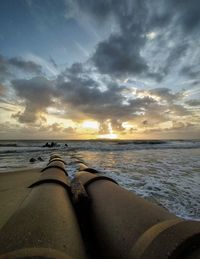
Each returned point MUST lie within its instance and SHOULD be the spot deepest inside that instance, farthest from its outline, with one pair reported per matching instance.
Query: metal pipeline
(123, 225)
(45, 225)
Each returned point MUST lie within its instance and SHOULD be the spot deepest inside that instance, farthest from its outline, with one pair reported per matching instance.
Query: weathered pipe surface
(57, 159)
(55, 155)
(124, 225)
(45, 225)
(55, 164)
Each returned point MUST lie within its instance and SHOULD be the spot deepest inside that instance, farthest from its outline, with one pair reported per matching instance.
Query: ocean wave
(170, 178)
(24, 147)
(141, 142)
(8, 145)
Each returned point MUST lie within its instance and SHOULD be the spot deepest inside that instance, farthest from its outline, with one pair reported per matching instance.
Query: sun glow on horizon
(90, 124)
(108, 136)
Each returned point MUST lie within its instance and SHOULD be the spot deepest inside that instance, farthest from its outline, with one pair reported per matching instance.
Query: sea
(165, 172)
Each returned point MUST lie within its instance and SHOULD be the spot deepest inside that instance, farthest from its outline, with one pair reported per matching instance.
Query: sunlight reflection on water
(168, 177)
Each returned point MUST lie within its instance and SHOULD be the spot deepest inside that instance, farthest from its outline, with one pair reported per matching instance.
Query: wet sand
(13, 190)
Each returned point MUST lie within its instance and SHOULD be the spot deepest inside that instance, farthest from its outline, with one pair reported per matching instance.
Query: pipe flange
(168, 239)
(86, 178)
(56, 159)
(53, 177)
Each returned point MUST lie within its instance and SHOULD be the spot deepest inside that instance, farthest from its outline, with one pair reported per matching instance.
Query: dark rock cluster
(52, 144)
(33, 160)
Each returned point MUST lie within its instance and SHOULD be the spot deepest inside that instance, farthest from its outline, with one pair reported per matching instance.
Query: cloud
(146, 49)
(165, 108)
(69, 130)
(59, 128)
(120, 55)
(127, 50)
(79, 94)
(187, 14)
(84, 94)
(181, 125)
(98, 9)
(178, 52)
(166, 94)
(191, 71)
(2, 89)
(53, 62)
(193, 102)
(37, 94)
(27, 66)
(7, 65)
(28, 116)
(37, 131)
(6, 109)
(4, 71)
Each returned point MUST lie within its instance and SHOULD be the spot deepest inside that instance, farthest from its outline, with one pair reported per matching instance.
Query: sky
(89, 69)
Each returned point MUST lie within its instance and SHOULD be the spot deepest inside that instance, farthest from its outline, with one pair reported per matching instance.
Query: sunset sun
(108, 136)
(105, 73)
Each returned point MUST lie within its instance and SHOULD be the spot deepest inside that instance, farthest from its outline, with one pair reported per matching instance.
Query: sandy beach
(13, 190)
(166, 173)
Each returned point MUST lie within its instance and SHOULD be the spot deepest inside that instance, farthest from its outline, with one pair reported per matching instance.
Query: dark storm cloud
(166, 94)
(144, 42)
(78, 94)
(27, 66)
(81, 97)
(184, 13)
(2, 89)
(53, 62)
(193, 102)
(7, 65)
(36, 93)
(121, 53)
(171, 100)
(187, 14)
(179, 110)
(58, 128)
(4, 71)
(75, 69)
(161, 110)
(83, 92)
(190, 71)
(120, 112)
(176, 53)
(97, 9)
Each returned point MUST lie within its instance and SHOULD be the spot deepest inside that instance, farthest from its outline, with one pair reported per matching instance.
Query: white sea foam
(167, 173)
(170, 178)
